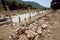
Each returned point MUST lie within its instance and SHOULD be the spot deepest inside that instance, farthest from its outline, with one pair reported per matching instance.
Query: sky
(45, 3)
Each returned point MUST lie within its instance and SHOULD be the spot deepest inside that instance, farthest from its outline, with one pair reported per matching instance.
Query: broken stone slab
(38, 37)
(23, 37)
(34, 24)
(32, 27)
(49, 15)
(20, 30)
(30, 34)
(36, 21)
(49, 31)
(39, 30)
(41, 21)
(45, 25)
(33, 32)
(39, 24)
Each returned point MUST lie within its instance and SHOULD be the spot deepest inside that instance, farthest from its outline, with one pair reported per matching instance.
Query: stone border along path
(29, 33)
(27, 22)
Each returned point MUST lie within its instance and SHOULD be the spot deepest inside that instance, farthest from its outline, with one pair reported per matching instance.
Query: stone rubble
(35, 31)
(41, 28)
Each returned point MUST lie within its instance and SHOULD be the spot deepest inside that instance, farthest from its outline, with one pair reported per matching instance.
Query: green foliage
(1, 7)
(19, 4)
(6, 2)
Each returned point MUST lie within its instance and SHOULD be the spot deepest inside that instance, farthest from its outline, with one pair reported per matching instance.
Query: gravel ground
(44, 28)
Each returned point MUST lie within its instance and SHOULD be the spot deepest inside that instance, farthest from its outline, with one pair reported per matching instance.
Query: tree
(7, 9)
(13, 5)
(30, 6)
(55, 4)
(3, 3)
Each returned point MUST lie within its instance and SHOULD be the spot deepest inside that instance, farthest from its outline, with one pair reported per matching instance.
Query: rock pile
(34, 31)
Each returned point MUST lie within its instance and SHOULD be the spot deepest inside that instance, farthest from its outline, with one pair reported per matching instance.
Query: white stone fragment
(38, 37)
(44, 25)
(33, 32)
(23, 37)
(16, 29)
(39, 30)
(30, 34)
(32, 27)
(41, 21)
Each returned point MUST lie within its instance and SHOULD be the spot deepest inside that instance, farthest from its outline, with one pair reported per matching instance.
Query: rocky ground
(43, 28)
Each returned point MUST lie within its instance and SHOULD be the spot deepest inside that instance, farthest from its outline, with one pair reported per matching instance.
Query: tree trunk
(7, 9)
(3, 3)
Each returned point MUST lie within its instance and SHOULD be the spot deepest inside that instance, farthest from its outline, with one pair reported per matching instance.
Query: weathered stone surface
(33, 31)
(30, 34)
(39, 30)
(23, 37)
(44, 25)
(38, 37)
(32, 27)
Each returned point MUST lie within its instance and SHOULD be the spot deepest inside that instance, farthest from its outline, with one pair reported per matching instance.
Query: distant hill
(24, 4)
(33, 4)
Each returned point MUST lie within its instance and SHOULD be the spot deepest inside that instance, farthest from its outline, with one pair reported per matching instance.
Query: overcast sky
(45, 3)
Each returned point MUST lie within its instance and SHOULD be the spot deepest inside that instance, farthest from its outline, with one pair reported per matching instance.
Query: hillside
(13, 5)
(33, 4)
